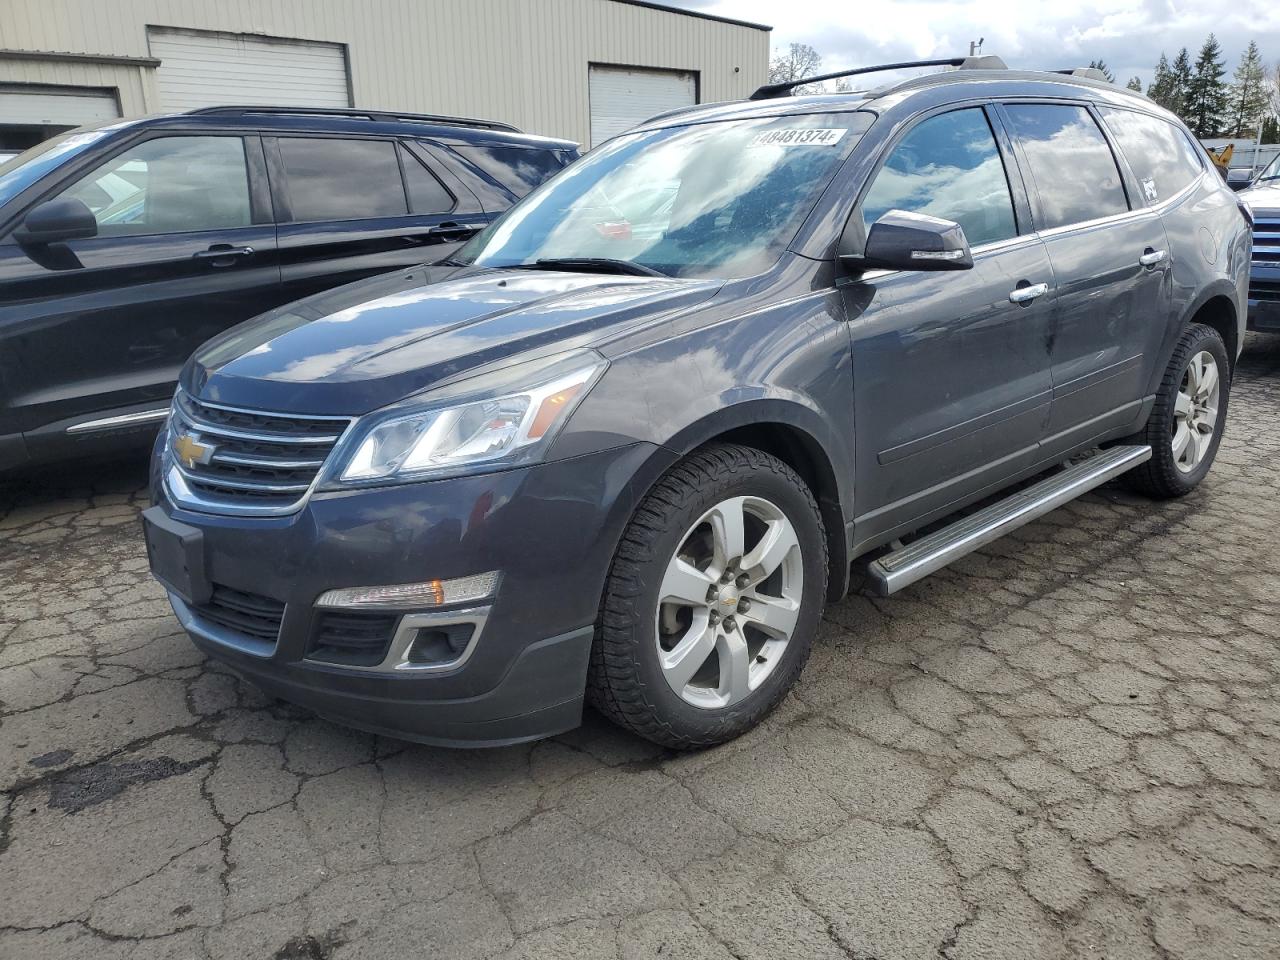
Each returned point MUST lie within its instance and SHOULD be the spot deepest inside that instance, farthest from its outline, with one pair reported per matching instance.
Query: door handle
(453, 229)
(1028, 293)
(1151, 257)
(222, 254)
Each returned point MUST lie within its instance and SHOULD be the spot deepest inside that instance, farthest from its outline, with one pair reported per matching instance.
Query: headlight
(455, 437)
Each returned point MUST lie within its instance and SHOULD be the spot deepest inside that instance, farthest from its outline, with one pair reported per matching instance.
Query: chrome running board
(905, 565)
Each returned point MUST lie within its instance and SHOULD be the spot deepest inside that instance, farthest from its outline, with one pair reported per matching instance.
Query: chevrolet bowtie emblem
(191, 451)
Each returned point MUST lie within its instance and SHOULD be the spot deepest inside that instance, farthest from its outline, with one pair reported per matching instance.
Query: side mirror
(912, 241)
(57, 220)
(1239, 177)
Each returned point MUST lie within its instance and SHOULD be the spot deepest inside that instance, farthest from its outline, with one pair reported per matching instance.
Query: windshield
(1271, 171)
(26, 168)
(717, 199)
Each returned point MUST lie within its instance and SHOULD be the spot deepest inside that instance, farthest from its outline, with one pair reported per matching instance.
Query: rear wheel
(1185, 426)
(713, 600)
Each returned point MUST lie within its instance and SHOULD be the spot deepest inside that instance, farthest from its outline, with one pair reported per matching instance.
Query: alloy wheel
(1195, 412)
(729, 602)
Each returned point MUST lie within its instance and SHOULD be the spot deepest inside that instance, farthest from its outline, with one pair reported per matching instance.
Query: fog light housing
(413, 596)
(443, 644)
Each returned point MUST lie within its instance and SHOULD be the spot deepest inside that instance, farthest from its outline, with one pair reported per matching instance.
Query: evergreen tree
(1106, 71)
(1206, 103)
(1161, 88)
(1179, 83)
(1270, 130)
(1248, 94)
(1135, 83)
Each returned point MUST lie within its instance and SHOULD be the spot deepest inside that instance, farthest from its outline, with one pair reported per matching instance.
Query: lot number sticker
(804, 137)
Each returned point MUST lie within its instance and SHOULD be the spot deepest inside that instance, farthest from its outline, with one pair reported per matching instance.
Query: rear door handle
(1151, 257)
(1028, 293)
(452, 229)
(222, 254)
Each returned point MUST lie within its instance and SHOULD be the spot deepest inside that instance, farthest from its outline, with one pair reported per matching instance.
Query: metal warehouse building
(581, 69)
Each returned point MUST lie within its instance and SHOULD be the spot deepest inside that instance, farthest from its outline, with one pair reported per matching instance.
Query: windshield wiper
(593, 265)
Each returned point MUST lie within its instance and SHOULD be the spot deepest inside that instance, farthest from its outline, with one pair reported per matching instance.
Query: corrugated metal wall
(523, 61)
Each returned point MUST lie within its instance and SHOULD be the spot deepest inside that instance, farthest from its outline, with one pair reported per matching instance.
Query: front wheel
(1185, 426)
(713, 600)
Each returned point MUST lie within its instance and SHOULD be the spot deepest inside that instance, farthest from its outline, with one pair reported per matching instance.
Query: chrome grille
(231, 460)
(1266, 240)
(1265, 290)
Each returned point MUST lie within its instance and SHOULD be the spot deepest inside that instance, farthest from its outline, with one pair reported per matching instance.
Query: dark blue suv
(123, 248)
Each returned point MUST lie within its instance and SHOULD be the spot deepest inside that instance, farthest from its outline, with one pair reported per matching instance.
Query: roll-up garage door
(46, 107)
(621, 97)
(202, 69)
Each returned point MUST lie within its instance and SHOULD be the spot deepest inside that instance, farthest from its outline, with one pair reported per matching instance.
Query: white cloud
(1129, 36)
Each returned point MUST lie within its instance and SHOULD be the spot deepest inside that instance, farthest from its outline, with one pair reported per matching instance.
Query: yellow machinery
(1222, 158)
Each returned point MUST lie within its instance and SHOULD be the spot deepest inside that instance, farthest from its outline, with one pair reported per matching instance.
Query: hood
(371, 343)
(1263, 198)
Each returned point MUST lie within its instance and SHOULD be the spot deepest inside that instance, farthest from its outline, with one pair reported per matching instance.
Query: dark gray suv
(625, 446)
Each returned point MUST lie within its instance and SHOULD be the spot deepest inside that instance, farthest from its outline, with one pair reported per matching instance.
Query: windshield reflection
(718, 199)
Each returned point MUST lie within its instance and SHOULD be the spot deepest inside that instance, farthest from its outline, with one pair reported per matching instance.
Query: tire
(645, 649)
(1173, 471)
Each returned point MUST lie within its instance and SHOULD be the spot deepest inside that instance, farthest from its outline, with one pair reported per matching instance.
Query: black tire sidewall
(1198, 338)
(699, 724)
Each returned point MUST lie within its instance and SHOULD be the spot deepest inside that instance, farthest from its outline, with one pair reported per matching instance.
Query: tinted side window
(1162, 158)
(426, 193)
(948, 167)
(169, 185)
(342, 179)
(519, 169)
(1076, 176)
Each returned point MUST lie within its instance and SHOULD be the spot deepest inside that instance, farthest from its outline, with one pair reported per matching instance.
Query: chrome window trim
(1083, 225)
(397, 658)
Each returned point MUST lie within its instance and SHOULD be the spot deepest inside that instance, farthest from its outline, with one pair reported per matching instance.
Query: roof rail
(392, 116)
(772, 91)
(1090, 73)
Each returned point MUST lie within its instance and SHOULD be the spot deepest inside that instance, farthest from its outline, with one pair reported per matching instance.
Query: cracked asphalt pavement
(1066, 745)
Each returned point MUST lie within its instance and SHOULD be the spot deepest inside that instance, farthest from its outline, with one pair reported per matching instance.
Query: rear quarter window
(519, 169)
(1159, 153)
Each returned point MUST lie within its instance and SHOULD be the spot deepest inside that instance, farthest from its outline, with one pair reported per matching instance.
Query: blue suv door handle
(452, 230)
(1151, 257)
(1028, 293)
(222, 254)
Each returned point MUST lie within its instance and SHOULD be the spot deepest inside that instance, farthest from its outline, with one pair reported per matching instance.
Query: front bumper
(550, 529)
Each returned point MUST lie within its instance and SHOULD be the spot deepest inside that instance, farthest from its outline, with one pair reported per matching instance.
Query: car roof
(954, 85)
(304, 120)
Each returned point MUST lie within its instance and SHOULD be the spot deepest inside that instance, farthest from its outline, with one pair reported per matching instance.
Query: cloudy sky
(1127, 36)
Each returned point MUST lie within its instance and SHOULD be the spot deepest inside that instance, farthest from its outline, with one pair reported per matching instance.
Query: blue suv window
(331, 179)
(519, 169)
(1076, 176)
(426, 193)
(949, 167)
(169, 185)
